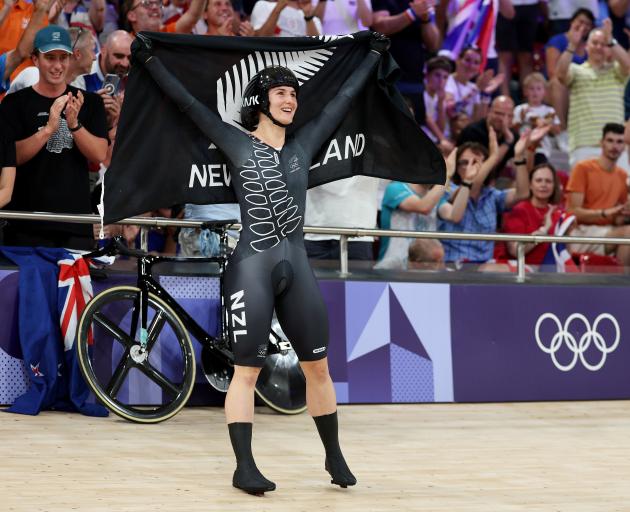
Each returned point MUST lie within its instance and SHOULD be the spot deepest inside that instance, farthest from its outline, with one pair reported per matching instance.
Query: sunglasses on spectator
(79, 34)
(147, 4)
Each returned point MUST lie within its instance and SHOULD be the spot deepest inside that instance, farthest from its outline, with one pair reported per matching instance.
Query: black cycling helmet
(256, 95)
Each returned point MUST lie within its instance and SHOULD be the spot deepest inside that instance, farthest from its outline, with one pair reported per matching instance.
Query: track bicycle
(133, 345)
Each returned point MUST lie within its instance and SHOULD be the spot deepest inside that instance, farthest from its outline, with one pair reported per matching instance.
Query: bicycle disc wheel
(281, 383)
(142, 387)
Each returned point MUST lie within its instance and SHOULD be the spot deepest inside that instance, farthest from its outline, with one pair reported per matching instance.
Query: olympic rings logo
(565, 337)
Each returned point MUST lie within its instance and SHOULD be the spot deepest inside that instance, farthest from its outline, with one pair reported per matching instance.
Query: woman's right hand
(575, 36)
(549, 218)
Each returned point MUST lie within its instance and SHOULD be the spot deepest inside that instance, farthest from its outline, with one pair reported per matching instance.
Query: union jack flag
(472, 23)
(75, 291)
(558, 254)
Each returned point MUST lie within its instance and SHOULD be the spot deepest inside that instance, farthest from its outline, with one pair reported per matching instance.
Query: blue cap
(53, 37)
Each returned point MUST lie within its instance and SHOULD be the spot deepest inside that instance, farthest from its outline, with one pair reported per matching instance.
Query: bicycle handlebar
(218, 225)
(114, 247)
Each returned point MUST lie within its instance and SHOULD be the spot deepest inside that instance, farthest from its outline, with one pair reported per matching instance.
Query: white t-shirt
(528, 116)
(347, 203)
(466, 96)
(341, 17)
(564, 9)
(431, 110)
(26, 78)
(291, 21)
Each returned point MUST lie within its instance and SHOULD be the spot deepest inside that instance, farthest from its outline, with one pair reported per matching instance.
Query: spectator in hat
(57, 129)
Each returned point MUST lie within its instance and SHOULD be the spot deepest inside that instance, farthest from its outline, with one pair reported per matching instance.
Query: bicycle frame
(147, 284)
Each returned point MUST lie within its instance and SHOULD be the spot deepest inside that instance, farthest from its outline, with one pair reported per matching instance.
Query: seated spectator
(10, 60)
(537, 216)
(221, 20)
(598, 197)
(485, 202)
(344, 16)
(471, 97)
(535, 114)
(499, 118)
(146, 16)
(413, 207)
(436, 100)
(285, 18)
(53, 150)
(596, 88)
(583, 21)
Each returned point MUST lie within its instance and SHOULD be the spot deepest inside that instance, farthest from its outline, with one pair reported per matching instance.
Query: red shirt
(524, 219)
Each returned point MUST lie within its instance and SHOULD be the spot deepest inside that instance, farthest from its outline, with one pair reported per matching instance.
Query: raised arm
(225, 136)
(313, 134)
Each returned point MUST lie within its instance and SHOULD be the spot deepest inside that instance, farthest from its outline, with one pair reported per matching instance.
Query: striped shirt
(596, 99)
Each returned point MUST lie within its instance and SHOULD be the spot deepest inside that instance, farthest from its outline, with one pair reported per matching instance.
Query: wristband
(77, 127)
(520, 162)
(567, 49)
(309, 18)
(467, 185)
(410, 14)
(612, 43)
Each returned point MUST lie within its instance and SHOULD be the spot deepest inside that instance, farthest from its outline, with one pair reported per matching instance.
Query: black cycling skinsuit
(269, 267)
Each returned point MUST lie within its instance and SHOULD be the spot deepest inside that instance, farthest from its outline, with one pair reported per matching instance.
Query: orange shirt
(14, 25)
(169, 27)
(601, 188)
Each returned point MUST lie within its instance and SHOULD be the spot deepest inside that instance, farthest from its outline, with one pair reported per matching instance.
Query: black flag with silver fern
(161, 158)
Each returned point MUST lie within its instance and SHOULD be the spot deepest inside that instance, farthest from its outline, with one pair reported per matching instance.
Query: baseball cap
(53, 37)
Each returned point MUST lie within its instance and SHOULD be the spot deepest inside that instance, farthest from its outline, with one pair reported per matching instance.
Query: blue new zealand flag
(50, 296)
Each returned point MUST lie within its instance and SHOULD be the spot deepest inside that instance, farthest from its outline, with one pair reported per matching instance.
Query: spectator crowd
(527, 100)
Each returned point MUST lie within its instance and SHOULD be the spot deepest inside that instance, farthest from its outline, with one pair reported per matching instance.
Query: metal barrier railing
(344, 233)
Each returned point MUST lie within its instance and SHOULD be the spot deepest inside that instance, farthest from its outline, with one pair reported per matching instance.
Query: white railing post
(343, 255)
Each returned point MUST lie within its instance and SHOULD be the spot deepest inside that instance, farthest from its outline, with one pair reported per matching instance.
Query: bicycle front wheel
(144, 387)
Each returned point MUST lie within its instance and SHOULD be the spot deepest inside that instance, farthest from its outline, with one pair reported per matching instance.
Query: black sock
(328, 428)
(247, 476)
(241, 437)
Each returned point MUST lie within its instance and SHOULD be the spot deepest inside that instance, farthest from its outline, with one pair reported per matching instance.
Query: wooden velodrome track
(441, 457)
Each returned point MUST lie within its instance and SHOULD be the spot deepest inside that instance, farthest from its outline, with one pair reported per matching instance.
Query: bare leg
(525, 64)
(320, 392)
(559, 99)
(505, 67)
(239, 402)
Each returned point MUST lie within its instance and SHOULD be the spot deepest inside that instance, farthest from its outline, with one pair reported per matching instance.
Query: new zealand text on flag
(54, 286)
(162, 159)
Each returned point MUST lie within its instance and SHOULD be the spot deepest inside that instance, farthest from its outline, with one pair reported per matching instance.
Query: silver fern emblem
(231, 86)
